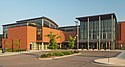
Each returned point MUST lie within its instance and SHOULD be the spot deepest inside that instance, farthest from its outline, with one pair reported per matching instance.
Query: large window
(39, 29)
(5, 31)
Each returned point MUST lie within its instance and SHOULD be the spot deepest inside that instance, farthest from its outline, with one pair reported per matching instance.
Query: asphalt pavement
(29, 60)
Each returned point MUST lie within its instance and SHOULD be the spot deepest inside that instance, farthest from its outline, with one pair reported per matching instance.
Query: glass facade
(49, 24)
(105, 29)
(98, 31)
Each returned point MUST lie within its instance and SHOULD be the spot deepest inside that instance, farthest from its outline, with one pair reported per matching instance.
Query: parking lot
(30, 60)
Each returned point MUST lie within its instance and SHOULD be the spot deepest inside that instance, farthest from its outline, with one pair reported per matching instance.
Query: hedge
(58, 54)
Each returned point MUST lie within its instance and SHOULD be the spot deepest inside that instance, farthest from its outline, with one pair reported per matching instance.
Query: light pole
(108, 51)
(77, 33)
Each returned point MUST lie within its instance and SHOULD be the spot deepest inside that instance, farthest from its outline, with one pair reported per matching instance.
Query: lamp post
(108, 51)
(77, 33)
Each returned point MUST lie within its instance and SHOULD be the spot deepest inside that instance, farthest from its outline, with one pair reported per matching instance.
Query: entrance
(30, 46)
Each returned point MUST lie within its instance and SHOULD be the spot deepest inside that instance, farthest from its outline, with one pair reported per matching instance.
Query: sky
(63, 12)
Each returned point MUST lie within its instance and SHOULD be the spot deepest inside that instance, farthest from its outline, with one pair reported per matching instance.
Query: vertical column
(88, 34)
(42, 22)
(42, 46)
(77, 36)
(99, 30)
(60, 45)
(49, 24)
(112, 38)
(106, 45)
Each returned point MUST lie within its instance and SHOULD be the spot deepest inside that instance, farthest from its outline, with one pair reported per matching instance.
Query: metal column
(112, 39)
(99, 30)
(88, 34)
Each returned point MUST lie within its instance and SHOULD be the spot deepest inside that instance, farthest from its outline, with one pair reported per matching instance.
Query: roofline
(19, 22)
(97, 16)
(121, 21)
(10, 24)
(38, 18)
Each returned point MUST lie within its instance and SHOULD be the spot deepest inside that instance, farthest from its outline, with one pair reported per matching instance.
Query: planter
(58, 57)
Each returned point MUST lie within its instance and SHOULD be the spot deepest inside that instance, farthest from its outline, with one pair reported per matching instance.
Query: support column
(99, 30)
(106, 45)
(88, 34)
(112, 38)
(60, 45)
(42, 46)
(97, 45)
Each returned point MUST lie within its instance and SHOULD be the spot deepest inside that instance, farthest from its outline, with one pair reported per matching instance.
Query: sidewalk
(15, 53)
(114, 61)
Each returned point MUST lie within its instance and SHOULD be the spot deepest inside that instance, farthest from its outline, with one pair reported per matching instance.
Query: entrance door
(30, 46)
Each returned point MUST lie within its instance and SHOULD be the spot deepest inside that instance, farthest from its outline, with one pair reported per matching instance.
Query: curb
(53, 58)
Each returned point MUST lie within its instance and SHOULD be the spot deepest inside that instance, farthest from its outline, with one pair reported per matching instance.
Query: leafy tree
(53, 44)
(71, 42)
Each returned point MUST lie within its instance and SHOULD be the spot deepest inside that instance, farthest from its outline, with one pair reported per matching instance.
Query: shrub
(44, 56)
(68, 53)
(58, 54)
(51, 54)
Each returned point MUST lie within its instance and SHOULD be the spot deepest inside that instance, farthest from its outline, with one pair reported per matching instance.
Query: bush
(68, 53)
(50, 54)
(44, 56)
(58, 54)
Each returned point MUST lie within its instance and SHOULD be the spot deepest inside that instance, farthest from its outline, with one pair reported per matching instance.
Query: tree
(53, 44)
(71, 42)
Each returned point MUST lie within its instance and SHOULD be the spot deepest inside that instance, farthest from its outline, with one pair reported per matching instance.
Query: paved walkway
(114, 61)
(15, 53)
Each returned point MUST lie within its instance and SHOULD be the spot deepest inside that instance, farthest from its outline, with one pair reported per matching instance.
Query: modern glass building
(98, 32)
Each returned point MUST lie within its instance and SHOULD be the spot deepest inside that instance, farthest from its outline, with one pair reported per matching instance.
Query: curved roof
(21, 21)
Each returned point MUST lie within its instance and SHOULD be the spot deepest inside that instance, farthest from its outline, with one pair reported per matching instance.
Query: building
(30, 34)
(98, 32)
(94, 32)
(121, 36)
(68, 31)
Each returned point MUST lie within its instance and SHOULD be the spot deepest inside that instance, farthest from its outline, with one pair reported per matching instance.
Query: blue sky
(63, 12)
